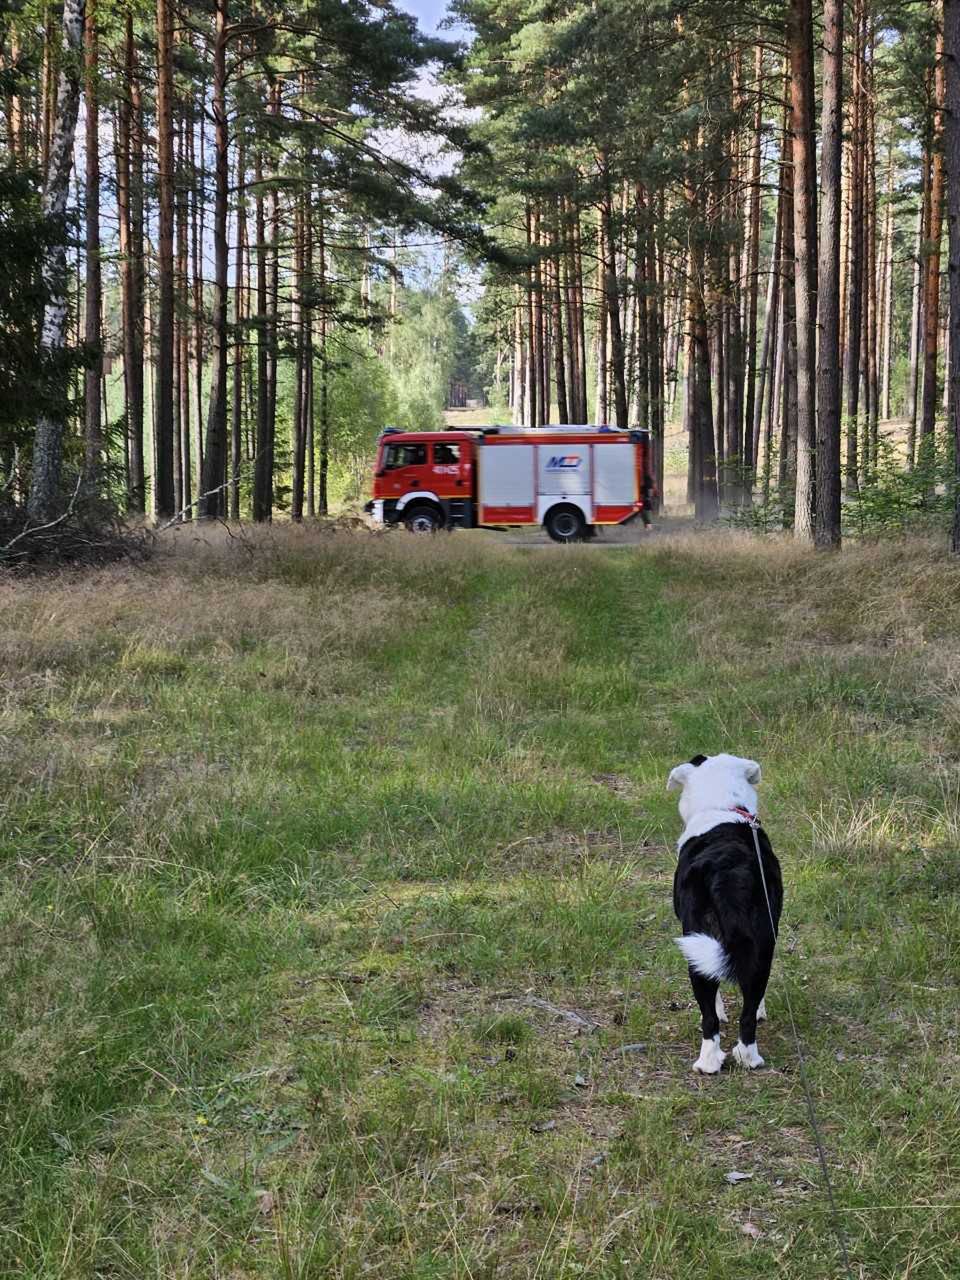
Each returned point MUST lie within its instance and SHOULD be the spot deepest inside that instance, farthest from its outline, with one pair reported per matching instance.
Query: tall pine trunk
(931, 288)
(753, 284)
(130, 219)
(611, 293)
(45, 497)
(93, 430)
(951, 49)
(800, 45)
(239, 354)
(827, 517)
(263, 458)
(213, 496)
(163, 430)
(855, 278)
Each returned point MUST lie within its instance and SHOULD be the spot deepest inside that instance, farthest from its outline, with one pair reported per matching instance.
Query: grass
(298, 829)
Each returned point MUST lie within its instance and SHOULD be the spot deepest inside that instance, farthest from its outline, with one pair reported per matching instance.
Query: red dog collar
(745, 813)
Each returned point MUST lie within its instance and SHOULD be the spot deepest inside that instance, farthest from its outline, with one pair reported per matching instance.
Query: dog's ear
(679, 775)
(751, 771)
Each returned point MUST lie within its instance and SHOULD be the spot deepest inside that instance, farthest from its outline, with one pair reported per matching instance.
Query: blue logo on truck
(564, 462)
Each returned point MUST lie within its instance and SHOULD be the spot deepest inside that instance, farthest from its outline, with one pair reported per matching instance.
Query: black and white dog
(719, 898)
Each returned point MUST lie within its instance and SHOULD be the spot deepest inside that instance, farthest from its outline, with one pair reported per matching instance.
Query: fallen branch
(32, 530)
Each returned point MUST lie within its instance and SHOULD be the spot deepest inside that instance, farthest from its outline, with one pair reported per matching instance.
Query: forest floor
(300, 829)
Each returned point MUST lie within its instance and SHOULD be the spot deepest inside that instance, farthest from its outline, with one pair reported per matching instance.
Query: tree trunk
(931, 291)
(768, 360)
(851, 355)
(130, 218)
(559, 349)
(787, 476)
(306, 459)
(263, 457)
(872, 386)
(45, 488)
(887, 344)
(197, 241)
(951, 49)
(699, 396)
(163, 431)
(213, 496)
(93, 432)
(800, 45)
(239, 356)
(531, 397)
(612, 298)
(751, 431)
(581, 326)
(322, 497)
(827, 518)
(602, 408)
(916, 319)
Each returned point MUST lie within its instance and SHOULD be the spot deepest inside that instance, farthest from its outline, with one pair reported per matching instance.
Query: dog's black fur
(717, 890)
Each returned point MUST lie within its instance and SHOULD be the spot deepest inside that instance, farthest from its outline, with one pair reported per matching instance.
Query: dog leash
(754, 824)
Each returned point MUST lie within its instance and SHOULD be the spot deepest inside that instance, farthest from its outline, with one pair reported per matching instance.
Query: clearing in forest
(304, 832)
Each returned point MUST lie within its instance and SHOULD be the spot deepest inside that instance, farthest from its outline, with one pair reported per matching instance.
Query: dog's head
(715, 782)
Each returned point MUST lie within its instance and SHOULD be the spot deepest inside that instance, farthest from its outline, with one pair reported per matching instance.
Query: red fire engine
(569, 479)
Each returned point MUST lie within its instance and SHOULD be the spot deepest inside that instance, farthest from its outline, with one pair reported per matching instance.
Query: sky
(430, 13)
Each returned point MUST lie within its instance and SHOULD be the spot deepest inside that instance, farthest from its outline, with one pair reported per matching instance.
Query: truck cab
(424, 480)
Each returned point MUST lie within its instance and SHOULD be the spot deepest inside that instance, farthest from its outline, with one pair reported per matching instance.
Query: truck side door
(404, 468)
(450, 468)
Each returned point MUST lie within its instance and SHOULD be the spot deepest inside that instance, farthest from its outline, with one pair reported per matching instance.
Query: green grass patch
(305, 838)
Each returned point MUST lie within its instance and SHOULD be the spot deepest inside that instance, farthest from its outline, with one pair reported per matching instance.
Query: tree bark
(887, 343)
(612, 298)
(871, 383)
(559, 349)
(951, 50)
(851, 355)
(324, 469)
(531, 391)
(787, 475)
(800, 44)
(92, 337)
(931, 290)
(827, 517)
(602, 408)
(263, 458)
(163, 431)
(130, 220)
(45, 495)
(213, 500)
(768, 358)
(753, 284)
(239, 357)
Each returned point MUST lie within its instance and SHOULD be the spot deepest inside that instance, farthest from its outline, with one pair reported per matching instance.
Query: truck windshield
(404, 455)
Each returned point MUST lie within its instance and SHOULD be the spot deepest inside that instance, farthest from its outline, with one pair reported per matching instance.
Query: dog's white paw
(762, 1011)
(711, 1057)
(747, 1055)
(721, 1009)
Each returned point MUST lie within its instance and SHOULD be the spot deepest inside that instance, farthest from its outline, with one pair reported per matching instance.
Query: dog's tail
(706, 955)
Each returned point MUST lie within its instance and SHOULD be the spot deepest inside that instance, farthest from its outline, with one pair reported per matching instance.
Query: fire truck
(569, 479)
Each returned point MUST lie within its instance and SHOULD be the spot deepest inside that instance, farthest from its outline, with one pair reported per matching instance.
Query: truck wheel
(423, 519)
(565, 524)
